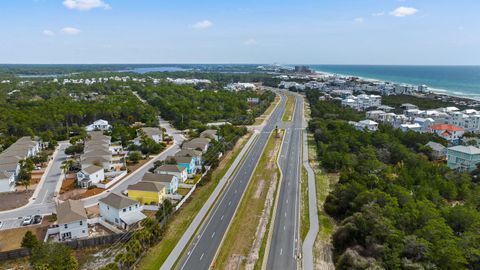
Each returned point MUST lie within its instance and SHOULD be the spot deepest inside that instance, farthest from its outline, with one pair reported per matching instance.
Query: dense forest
(395, 209)
(46, 110)
(187, 107)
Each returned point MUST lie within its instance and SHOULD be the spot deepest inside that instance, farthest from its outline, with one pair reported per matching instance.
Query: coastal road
(284, 248)
(201, 252)
(43, 200)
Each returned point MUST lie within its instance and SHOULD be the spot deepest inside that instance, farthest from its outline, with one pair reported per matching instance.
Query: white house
(153, 133)
(365, 125)
(451, 133)
(72, 220)
(89, 176)
(121, 211)
(179, 171)
(425, 123)
(99, 125)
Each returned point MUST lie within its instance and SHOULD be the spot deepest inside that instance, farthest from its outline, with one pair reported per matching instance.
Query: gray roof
(147, 186)
(471, 150)
(436, 146)
(92, 169)
(150, 131)
(118, 201)
(170, 168)
(209, 133)
(160, 178)
(188, 152)
(184, 159)
(70, 211)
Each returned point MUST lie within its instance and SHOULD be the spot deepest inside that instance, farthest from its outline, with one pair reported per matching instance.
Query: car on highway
(37, 219)
(27, 221)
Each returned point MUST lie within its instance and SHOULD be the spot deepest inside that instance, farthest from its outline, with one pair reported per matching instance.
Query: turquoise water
(454, 80)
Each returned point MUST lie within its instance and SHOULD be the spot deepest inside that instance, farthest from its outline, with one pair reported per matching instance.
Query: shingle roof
(161, 178)
(188, 152)
(435, 146)
(170, 168)
(92, 169)
(118, 201)
(147, 186)
(70, 211)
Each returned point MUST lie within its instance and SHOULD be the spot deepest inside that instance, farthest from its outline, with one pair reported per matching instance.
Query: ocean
(463, 81)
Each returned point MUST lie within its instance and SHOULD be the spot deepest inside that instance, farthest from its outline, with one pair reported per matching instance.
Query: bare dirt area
(12, 238)
(12, 200)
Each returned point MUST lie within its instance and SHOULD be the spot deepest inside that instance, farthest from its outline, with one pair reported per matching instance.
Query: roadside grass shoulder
(305, 214)
(243, 232)
(259, 120)
(180, 221)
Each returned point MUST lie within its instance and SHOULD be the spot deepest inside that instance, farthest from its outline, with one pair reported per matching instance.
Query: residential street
(43, 201)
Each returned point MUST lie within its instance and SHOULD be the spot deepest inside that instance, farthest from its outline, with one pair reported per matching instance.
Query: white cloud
(85, 4)
(47, 32)
(70, 31)
(203, 24)
(378, 14)
(359, 20)
(403, 11)
(250, 41)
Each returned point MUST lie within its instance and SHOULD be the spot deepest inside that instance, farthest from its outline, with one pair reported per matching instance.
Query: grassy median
(289, 107)
(180, 221)
(244, 239)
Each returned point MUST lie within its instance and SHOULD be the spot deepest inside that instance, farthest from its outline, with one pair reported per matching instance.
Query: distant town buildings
(240, 86)
(362, 102)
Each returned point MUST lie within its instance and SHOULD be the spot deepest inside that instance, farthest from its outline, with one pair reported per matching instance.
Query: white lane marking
(201, 257)
(230, 202)
(213, 234)
(287, 201)
(281, 251)
(284, 227)
(235, 191)
(221, 218)
(285, 213)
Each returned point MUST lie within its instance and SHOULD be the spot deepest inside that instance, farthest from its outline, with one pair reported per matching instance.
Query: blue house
(187, 162)
(170, 181)
(463, 158)
(196, 155)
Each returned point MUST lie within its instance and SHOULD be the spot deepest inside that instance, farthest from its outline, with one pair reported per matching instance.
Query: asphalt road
(44, 201)
(284, 248)
(204, 246)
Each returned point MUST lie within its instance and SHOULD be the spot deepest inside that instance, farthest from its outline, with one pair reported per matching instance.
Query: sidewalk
(183, 242)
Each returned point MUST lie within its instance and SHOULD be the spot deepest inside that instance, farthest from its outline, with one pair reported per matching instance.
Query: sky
(392, 32)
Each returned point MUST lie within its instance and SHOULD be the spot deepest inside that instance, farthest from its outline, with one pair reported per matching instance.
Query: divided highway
(284, 245)
(201, 252)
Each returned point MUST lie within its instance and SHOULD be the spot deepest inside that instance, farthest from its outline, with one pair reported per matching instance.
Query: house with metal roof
(463, 158)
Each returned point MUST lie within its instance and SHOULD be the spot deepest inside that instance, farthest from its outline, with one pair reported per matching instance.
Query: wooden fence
(75, 244)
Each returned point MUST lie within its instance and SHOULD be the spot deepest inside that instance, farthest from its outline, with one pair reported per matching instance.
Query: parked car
(27, 221)
(37, 219)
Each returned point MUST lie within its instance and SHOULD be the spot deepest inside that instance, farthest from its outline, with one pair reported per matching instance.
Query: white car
(27, 221)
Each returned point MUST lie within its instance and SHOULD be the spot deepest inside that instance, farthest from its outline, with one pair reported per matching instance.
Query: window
(83, 231)
(124, 210)
(81, 222)
(65, 226)
(116, 220)
(129, 208)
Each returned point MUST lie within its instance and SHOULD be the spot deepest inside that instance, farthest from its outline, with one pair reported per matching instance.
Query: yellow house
(147, 192)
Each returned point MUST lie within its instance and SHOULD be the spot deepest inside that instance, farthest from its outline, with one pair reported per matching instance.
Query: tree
(55, 256)
(30, 240)
(24, 177)
(164, 210)
(134, 156)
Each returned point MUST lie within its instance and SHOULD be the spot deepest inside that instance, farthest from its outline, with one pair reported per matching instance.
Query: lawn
(182, 218)
(289, 107)
(245, 234)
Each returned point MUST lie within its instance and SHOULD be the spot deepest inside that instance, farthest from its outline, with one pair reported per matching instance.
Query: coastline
(437, 93)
